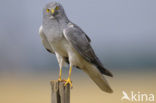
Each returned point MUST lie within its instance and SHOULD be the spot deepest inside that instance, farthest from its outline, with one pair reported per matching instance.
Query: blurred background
(123, 34)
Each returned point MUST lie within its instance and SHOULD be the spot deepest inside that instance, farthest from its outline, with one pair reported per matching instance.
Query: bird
(71, 45)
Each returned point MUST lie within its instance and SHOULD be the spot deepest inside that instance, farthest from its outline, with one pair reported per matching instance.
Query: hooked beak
(52, 11)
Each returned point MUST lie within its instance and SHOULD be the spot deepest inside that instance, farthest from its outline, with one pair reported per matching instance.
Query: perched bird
(71, 45)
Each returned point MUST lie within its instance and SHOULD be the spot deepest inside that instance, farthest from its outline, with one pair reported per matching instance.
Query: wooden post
(59, 92)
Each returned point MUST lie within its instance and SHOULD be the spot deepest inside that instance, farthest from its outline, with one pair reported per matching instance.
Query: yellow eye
(48, 10)
(56, 8)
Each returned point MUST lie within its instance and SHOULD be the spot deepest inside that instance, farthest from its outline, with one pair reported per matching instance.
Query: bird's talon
(59, 79)
(68, 81)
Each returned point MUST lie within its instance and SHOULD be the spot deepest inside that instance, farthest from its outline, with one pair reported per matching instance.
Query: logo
(137, 96)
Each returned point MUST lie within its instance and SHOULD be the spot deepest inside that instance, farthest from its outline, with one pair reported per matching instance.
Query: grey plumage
(71, 45)
(81, 42)
(45, 41)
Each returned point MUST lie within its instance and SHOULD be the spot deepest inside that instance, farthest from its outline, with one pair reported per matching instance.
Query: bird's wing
(81, 42)
(45, 41)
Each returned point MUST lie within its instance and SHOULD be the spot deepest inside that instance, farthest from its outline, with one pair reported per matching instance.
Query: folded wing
(45, 41)
(81, 42)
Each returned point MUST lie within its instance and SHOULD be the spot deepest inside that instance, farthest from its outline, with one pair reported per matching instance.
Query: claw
(68, 81)
(59, 79)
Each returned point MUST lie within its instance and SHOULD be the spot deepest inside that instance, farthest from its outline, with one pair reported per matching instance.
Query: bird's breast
(61, 47)
(52, 30)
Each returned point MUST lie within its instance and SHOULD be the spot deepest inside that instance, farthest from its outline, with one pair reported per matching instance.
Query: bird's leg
(60, 74)
(68, 81)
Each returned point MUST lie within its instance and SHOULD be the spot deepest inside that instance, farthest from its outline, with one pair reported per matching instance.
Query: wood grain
(59, 92)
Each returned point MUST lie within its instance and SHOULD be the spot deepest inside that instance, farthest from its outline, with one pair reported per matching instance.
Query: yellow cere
(52, 11)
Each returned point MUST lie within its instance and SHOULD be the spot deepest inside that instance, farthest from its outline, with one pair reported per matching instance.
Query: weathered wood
(59, 92)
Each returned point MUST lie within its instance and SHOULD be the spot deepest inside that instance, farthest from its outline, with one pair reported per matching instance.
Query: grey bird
(71, 45)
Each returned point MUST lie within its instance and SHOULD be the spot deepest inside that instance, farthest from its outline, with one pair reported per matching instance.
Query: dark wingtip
(105, 71)
(109, 74)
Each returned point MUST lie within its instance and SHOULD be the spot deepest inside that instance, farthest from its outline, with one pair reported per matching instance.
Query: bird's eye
(56, 8)
(48, 10)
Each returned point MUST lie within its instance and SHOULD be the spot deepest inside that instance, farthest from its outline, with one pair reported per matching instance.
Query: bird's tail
(98, 78)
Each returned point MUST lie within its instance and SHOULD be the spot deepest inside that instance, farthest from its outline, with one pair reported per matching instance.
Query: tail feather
(98, 78)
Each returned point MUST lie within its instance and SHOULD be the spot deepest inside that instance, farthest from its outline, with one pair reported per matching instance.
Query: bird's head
(53, 10)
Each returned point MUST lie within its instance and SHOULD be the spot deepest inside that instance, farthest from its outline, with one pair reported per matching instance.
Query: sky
(123, 32)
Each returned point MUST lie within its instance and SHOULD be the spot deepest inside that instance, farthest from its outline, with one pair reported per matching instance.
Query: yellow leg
(68, 81)
(60, 74)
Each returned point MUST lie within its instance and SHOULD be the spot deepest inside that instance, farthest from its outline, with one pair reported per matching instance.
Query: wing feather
(45, 41)
(81, 42)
